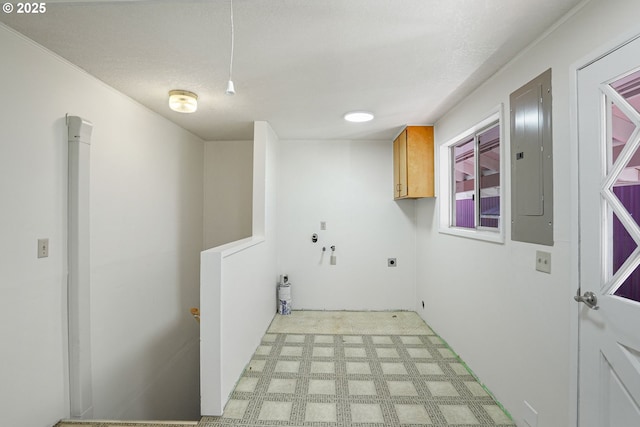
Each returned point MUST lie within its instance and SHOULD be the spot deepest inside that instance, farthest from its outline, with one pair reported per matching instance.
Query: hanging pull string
(232, 40)
(230, 89)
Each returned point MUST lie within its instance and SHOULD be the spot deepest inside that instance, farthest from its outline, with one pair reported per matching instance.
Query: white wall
(228, 178)
(348, 184)
(511, 324)
(146, 231)
(146, 238)
(238, 285)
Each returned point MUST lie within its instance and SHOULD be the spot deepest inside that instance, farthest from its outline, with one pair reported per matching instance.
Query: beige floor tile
(322, 387)
(286, 366)
(429, 369)
(289, 351)
(275, 411)
(337, 330)
(409, 340)
(282, 386)
(294, 339)
(442, 388)
(362, 388)
(459, 368)
(263, 350)
(256, 365)
(387, 353)
(323, 368)
(446, 353)
(235, 409)
(323, 352)
(269, 338)
(393, 368)
(419, 353)
(320, 412)
(475, 388)
(458, 414)
(351, 352)
(412, 414)
(402, 388)
(381, 340)
(344, 322)
(323, 339)
(352, 339)
(366, 413)
(247, 385)
(358, 368)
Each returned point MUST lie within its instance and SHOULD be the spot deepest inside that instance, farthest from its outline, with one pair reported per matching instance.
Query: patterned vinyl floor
(357, 380)
(351, 369)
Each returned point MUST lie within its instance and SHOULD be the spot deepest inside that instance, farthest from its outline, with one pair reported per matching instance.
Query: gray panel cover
(532, 162)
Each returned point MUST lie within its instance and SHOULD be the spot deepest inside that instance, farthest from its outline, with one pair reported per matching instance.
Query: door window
(623, 158)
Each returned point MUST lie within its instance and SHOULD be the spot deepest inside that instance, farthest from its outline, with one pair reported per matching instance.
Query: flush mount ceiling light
(183, 101)
(358, 116)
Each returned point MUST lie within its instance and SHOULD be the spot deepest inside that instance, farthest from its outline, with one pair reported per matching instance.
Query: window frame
(446, 182)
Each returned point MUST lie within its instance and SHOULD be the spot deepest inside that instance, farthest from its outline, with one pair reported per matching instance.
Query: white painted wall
(146, 231)
(146, 211)
(511, 324)
(228, 179)
(238, 285)
(348, 184)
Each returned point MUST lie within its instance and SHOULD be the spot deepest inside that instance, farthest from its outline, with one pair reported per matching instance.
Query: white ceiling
(299, 64)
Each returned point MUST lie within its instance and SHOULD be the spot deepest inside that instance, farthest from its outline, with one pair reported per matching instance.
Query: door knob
(589, 299)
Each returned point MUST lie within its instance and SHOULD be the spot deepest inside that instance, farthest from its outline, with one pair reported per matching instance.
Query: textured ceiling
(299, 64)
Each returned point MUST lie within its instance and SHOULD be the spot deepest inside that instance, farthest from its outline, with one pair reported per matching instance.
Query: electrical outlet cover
(543, 261)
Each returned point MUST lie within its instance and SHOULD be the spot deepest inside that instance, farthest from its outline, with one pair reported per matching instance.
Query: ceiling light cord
(230, 88)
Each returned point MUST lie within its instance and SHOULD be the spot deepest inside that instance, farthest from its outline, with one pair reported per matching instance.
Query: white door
(609, 165)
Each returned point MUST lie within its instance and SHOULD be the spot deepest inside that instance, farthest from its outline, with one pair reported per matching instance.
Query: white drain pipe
(78, 278)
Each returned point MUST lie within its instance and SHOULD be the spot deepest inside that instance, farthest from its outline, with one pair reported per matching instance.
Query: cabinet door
(419, 155)
(400, 165)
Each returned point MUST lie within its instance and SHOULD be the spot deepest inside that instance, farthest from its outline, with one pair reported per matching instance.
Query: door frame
(574, 150)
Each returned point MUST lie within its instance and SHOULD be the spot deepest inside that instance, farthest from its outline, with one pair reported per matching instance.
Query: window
(471, 184)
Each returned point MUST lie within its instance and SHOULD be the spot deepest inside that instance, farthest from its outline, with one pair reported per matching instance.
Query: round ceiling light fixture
(358, 116)
(183, 101)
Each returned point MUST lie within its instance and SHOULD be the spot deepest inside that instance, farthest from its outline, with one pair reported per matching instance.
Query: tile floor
(126, 424)
(356, 369)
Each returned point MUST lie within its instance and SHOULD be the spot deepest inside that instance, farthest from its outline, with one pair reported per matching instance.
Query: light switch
(43, 248)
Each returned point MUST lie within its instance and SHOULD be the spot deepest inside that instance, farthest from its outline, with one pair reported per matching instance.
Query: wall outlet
(43, 248)
(391, 262)
(323, 225)
(530, 416)
(543, 261)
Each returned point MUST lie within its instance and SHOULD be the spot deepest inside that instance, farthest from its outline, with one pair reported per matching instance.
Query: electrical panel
(532, 162)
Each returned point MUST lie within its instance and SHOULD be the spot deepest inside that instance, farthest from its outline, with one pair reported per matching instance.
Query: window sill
(487, 236)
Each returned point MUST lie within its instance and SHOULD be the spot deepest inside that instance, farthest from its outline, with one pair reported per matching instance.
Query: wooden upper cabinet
(413, 163)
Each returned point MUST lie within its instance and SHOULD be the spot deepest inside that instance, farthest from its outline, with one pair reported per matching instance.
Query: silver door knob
(589, 299)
